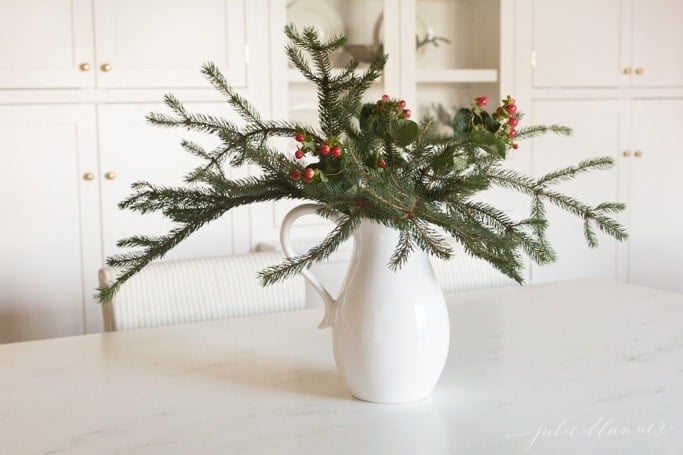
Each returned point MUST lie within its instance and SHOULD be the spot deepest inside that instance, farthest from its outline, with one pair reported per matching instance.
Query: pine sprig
(413, 177)
(343, 230)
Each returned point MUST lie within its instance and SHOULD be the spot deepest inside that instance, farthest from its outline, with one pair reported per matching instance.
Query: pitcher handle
(287, 222)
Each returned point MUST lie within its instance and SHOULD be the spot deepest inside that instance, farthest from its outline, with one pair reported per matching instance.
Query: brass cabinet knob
(627, 71)
(637, 153)
(626, 153)
(89, 176)
(640, 71)
(105, 67)
(84, 66)
(111, 175)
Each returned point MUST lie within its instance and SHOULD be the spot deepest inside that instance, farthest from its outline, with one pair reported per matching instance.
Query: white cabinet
(441, 54)
(119, 43)
(612, 70)
(652, 171)
(48, 197)
(60, 193)
(657, 43)
(638, 135)
(74, 136)
(162, 43)
(132, 150)
(550, 153)
(610, 43)
(577, 44)
(452, 73)
(43, 43)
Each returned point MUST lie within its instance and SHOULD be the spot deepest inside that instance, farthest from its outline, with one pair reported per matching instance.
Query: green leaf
(489, 123)
(489, 143)
(442, 163)
(461, 122)
(406, 133)
(459, 164)
(365, 113)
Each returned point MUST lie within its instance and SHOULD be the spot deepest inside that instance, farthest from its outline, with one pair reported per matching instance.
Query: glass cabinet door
(370, 30)
(456, 53)
(442, 53)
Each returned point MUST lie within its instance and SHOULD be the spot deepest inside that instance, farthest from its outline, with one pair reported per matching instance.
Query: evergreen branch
(429, 240)
(507, 178)
(297, 58)
(539, 130)
(568, 173)
(241, 105)
(404, 248)
(386, 169)
(195, 149)
(154, 248)
(346, 225)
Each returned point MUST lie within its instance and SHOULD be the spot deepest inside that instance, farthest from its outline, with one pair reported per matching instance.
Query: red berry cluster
(399, 106)
(332, 148)
(508, 117)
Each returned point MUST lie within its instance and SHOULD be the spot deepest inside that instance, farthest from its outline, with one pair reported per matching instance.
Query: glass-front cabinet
(442, 53)
(456, 55)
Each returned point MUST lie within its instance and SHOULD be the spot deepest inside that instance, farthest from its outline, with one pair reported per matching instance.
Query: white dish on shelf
(421, 29)
(318, 14)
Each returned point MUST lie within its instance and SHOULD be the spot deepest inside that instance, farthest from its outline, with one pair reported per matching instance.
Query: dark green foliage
(405, 175)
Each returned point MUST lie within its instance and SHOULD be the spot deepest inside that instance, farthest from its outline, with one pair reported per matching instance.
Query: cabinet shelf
(456, 76)
(293, 74)
(426, 76)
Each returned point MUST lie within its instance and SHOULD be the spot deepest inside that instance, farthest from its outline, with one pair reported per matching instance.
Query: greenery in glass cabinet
(366, 161)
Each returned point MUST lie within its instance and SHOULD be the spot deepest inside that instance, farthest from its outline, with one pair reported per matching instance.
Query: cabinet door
(578, 43)
(43, 43)
(163, 43)
(597, 129)
(657, 43)
(450, 55)
(655, 207)
(47, 272)
(132, 150)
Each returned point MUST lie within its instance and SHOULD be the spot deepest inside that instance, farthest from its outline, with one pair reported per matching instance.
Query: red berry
(309, 173)
(299, 154)
(481, 101)
(385, 97)
(515, 145)
(512, 133)
(511, 108)
(325, 149)
(295, 174)
(382, 164)
(299, 137)
(406, 113)
(513, 121)
(335, 152)
(402, 104)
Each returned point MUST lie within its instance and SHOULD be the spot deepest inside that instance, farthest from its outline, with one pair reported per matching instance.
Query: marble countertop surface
(582, 367)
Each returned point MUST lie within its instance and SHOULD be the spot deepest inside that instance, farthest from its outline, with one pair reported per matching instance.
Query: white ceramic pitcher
(390, 329)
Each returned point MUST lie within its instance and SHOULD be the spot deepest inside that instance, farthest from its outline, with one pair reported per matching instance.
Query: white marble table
(568, 368)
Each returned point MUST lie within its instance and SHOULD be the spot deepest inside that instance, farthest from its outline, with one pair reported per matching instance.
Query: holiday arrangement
(366, 161)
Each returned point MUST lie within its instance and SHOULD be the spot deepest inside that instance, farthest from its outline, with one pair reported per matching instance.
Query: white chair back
(465, 273)
(194, 290)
